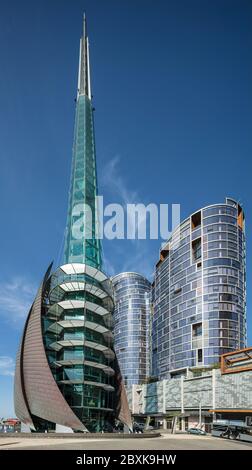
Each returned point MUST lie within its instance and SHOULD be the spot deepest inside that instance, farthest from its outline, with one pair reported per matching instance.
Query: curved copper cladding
(121, 401)
(20, 399)
(36, 392)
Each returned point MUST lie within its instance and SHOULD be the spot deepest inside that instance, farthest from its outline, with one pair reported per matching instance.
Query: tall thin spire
(84, 30)
(84, 87)
(81, 244)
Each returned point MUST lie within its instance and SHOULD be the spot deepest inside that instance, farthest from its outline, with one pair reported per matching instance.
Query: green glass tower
(80, 292)
(81, 243)
(67, 374)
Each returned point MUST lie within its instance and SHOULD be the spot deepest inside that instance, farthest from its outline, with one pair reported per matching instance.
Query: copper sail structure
(66, 371)
(36, 392)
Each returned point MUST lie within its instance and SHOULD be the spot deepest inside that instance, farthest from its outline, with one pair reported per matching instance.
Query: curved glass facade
(199, 290)
(77, 322)
(131, 326)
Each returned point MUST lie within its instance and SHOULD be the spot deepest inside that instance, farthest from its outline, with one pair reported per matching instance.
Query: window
(228, 298)
(197, 329)
(196, 249)
(177, 288)
(200, 356)
(240, 217)
(196, 220)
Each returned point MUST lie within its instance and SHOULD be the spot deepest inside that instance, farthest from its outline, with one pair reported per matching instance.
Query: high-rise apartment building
(199, 291)
(66, 371)
(131, 326)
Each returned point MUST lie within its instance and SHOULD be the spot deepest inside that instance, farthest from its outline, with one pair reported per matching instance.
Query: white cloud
(16, 297)
(6, 365)
(138, 258)
(116, 185)
(108, 266)
(112, 180)
(140, 261)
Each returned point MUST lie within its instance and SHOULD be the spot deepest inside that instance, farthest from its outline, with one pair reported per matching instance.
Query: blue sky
(172, 90)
